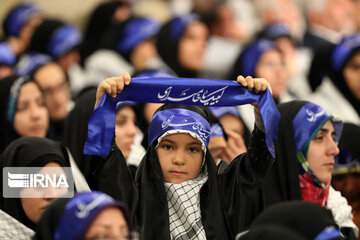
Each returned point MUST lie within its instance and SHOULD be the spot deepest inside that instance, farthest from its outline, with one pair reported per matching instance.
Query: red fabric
(312, 193)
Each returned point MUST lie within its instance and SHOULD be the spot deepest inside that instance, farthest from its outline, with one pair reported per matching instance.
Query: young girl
(178, 193)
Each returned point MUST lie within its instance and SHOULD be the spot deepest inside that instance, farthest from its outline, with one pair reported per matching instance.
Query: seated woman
(22, 214)
(127, 137)
(262, 59)
(181, 43)
(178, 171)
(88, 215)
(305, 150)
(22, 110)
(341, 87)
(54, 82)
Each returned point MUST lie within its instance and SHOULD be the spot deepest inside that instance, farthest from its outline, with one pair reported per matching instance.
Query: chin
(325, 180)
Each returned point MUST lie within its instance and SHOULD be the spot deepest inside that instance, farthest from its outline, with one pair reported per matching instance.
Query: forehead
(28, 91)
(126, 111)
(181, 138)
(329, 126)
(196, 28)
(50, 74)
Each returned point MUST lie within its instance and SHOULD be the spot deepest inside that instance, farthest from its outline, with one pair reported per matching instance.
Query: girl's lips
(177, 173)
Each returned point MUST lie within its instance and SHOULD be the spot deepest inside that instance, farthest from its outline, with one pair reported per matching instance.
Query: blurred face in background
(352, 74)
(31, 117)
(271, 67)
(232, 123)
(121, 13)
(125, 129)
(142, 54)
(109, 224)
(35, 207)
(288, 50)
(348, 184)
(69, 59)
(52, 80)
(192, 46)
(339, 15)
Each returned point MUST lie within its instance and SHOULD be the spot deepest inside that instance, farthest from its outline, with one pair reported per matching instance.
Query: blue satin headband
(63, 40)
(179, 119)
(80, 211)
(18, 17)
(307, 123)
(343, 51)
(201, 92)
(251, 55)
(179, 24)
(135, 32)
(276, 30)
(31, 62)
(7, 55)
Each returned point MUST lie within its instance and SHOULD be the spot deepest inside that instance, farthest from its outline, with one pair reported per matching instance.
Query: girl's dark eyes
(167, 147)
(194, 149)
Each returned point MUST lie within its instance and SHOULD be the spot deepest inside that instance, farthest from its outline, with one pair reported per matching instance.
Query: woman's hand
(112, 86)
(235, 146)
(257, 84)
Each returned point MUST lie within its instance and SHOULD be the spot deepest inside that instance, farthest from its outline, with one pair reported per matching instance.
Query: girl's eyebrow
(167, 140)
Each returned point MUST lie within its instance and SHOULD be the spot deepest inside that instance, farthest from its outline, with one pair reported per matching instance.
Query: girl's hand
(257, 84)
(112, 86)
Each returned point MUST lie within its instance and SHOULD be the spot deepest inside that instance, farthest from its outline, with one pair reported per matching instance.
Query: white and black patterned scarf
(184, 208)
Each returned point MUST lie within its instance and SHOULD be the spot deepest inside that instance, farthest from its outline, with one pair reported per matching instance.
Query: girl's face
(321, 153)
(192, 46)
(34, 207)
(31, 117)
(352, 74)
(180, 157)
(125, 129)
(232, 123)
(109, 224)
(142, 54)
(271, 66)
